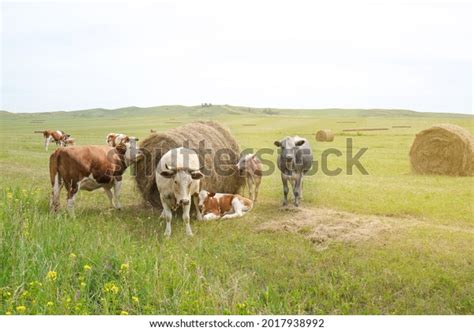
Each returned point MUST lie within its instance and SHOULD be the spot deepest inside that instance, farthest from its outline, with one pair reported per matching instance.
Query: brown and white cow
(115, 139)
(89, 168)
(250, 167)
(222, 205)
(59, 137)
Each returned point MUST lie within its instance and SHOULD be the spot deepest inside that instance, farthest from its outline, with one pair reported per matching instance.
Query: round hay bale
(325, 135)
(443, 149)
(206, 138)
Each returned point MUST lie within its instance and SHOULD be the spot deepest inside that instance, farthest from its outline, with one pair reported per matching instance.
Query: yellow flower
(25, 294)
(124, 267)
(7, 294)
(72, 256)
(83, 284)
(8, 313)
(50, 304)
(36, 284)
(68, 299)
(123, 312)
(21, 309)
(10, 195)
(135, 299)
(111, 287)
(52, 275)
(87, 267)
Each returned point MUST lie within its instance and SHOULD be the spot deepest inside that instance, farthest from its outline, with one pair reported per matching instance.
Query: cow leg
(168, 214)
(210, 217)
(301, 188)
(237, 210)
(196, 206)
(285, 189)
(110, 195)
(187, 224)
(296, 189)
(46, 143)
(71, 197)
(251, 185)
(55, 194)
(257, 185)
(117, 186)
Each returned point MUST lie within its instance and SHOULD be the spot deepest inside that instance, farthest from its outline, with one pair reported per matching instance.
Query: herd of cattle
(177, 175)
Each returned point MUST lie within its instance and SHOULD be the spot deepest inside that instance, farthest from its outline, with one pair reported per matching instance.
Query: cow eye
(176, 182)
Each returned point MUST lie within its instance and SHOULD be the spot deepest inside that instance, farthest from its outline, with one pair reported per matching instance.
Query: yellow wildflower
(72, 256)
(50, 304)
(123, 312)
(21, 309)
(124, 267)
(52, 275)
(10, 195)
(87, 267)
(83, 284)
(36, 284)
(8, 313)
(25, 294)
(111, 287)
(135, 299)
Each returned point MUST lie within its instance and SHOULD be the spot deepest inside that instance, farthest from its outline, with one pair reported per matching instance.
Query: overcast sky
(294, 54)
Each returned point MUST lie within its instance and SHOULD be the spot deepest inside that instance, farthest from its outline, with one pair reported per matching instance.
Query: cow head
(182, 178)
(243, 164)
(204, 197)
(129, 150)
(289, 147)
(110, 140)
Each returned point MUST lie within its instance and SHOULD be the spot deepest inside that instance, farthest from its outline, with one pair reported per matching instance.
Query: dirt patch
(323, 226)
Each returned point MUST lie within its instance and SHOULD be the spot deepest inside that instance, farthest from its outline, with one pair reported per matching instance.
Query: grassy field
(389, 242)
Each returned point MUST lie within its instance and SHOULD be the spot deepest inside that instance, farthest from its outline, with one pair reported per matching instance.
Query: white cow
(177, 178)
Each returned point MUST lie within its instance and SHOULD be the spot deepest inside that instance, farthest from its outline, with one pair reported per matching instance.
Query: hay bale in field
(443, 149)
(206, 138)
(325, 135)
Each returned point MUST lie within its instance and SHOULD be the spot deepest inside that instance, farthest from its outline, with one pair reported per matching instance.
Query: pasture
(389, 242)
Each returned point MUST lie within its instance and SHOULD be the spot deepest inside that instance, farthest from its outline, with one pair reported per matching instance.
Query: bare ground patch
(323, 226)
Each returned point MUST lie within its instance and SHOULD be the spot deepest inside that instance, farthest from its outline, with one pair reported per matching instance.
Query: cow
(222, 205)
(59, 137)
(294, 161)
(90, 168)
(250, 167)
(115, 139)
(177, 178)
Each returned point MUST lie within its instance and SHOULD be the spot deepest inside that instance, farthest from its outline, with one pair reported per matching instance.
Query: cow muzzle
(184, 202)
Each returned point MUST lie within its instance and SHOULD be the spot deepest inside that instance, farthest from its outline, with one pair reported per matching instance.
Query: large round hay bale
(325, 135)
(443, 149)
(206, 138)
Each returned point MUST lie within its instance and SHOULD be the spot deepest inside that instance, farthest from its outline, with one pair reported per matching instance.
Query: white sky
(293, 54)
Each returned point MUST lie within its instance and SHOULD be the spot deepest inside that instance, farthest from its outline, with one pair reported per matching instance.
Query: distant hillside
(200, 111)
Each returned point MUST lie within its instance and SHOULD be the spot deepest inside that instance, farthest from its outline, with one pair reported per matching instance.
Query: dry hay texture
(215, 137)
(323, 226)
(443, 149)
(325, 135)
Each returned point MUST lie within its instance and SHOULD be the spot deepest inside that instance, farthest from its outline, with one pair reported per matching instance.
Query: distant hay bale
(325, 135)
(443, 149)
(214, 138)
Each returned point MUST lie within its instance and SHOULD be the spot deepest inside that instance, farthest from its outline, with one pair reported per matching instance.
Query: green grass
(230, 267)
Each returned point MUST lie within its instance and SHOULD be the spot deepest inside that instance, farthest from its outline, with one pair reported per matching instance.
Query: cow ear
(277, 143)
(167, 174)
(300, 142)
(211, 194)
(196, 175)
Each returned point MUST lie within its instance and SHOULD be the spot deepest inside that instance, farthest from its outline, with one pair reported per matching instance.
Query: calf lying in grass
(222, 205)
